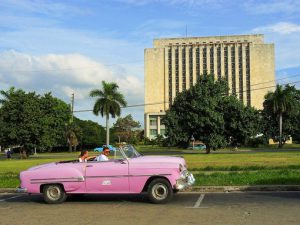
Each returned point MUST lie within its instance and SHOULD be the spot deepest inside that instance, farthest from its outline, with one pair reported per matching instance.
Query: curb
(217, 189)
(248, 188)
(8, 190)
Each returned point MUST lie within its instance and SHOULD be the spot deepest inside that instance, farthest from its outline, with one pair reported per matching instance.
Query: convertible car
(127, 171)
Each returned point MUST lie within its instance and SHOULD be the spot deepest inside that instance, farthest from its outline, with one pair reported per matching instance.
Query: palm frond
(97, 93)
(109, 100)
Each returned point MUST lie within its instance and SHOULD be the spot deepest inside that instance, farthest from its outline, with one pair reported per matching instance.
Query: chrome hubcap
(159, 191)
(53, 193)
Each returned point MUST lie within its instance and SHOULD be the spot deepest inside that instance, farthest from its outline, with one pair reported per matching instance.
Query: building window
(176, 70)
(197, 63)
(183, 69)
(191, 65)
(233, 70)
(219, 62)
(153, 132)
(226, 65)
(212, 71)
(240, 72)
(170, 74)
(153, 120)
(248, 76)
(204, 60)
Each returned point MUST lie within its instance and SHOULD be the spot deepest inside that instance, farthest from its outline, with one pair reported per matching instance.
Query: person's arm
(90, 157)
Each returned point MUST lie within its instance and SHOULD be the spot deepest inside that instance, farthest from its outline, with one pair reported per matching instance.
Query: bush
(255, 142)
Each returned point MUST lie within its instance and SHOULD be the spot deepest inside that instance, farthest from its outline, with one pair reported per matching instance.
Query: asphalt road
(274, 208)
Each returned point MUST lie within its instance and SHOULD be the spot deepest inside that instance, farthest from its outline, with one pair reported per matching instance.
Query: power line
(167, 102)
(284, 78)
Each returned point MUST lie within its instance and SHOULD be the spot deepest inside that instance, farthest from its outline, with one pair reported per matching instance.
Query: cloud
(65, 74)
(280, 28)
(273, 6)
(286, 37)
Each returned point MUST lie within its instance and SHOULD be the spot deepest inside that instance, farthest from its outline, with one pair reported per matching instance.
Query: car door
(107, 176)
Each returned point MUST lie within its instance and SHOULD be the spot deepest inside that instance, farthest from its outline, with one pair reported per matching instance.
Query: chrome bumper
(21, 190)
(186, 180)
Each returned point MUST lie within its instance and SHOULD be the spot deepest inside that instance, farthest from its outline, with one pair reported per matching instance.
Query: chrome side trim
(140, 175)
(48, 182)
(57, 178)
(82, 178)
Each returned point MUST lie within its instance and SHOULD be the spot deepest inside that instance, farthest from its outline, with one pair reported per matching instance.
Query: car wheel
(54, 194)
(160, 191)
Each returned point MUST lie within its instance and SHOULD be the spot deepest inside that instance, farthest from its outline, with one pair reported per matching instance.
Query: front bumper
(186, 180)
(21, 190)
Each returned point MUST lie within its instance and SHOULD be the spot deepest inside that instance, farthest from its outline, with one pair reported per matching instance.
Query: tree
(109, 102)
(73, 135)
(56, 113)
(124, 127)
(280, 102)
(20, 114)
(92, 133)
(32, 121)
(284, 102)
(209, 115)
(241, 122)
(194, 112)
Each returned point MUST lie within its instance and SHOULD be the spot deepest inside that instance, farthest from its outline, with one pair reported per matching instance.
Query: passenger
(84, 156)
(104, 155)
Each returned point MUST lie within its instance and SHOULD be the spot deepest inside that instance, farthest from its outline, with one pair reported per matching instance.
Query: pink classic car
(126, 172)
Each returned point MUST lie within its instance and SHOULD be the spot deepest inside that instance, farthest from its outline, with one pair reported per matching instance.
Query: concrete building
(173, 65)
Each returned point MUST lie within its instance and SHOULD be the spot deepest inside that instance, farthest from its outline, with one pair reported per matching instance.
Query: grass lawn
(270, 167)
(262, 177)
(243, 161)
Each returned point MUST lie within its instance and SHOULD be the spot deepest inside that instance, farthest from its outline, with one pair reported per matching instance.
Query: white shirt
(82, 160)
(101, 157)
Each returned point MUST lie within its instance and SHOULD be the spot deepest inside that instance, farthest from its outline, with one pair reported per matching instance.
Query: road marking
(17, 196)
(198, 202)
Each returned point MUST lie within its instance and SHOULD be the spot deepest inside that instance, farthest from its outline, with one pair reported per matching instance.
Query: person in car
(84, 156)
(104, 155)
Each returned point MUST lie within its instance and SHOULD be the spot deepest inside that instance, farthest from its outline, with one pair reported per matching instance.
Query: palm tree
(109, 102)
(281, 101)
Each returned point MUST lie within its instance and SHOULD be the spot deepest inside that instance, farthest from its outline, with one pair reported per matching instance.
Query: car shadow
(142, 198)
(88, 198)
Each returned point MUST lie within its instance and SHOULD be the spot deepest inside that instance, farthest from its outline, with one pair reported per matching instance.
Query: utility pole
(72, 108)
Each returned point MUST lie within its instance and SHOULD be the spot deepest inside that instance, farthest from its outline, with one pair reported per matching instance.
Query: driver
(104, 155)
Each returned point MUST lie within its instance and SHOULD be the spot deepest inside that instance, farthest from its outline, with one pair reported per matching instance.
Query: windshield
(117, 154)
(129, 151)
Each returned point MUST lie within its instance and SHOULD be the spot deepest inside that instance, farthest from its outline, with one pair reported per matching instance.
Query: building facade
(174, 64)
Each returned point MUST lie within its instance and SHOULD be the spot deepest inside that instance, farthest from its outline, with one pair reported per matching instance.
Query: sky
(66, 47)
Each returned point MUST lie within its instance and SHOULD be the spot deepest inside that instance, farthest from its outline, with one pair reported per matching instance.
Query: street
(185, 208)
